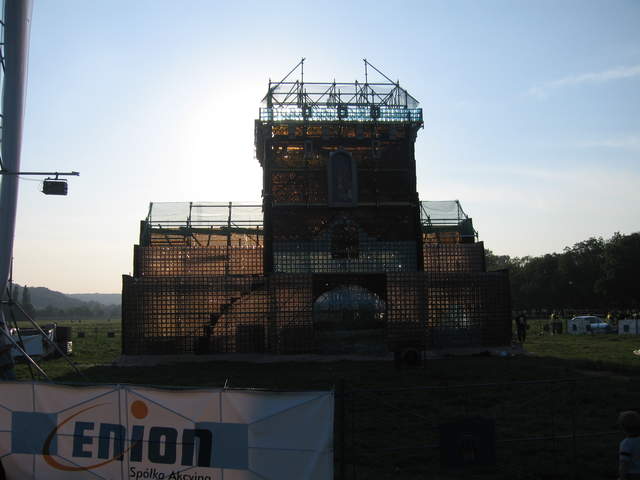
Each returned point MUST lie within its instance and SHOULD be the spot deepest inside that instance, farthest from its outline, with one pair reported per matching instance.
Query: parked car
(587, 324)
(599, 326)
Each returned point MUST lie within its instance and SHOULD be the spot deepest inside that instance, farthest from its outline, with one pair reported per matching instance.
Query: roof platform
(203, 223)
(445, 221)
(208, 223)
(328, 102)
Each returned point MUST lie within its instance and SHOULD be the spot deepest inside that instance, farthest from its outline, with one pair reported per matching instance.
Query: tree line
(595, 274)
(92, 310)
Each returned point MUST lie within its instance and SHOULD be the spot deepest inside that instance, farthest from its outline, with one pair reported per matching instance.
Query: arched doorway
(349, 319)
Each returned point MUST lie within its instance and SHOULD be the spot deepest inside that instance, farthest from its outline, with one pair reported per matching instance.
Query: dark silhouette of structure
(341, 257)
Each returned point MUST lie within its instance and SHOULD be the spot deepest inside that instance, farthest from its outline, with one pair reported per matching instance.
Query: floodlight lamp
(54, 186)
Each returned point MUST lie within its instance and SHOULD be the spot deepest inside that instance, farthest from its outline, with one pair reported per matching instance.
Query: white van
(587, 324)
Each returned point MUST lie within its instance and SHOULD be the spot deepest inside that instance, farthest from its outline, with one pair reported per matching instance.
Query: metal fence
(517, 430)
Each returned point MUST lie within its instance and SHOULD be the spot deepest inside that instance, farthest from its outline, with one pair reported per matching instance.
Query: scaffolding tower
(339, 257)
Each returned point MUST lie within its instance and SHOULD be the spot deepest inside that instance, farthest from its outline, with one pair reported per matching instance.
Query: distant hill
(101, 298)
(42, 297)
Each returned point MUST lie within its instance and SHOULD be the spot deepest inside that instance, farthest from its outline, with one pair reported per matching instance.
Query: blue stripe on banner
(230, 444)
(290, 408)
(29, 432)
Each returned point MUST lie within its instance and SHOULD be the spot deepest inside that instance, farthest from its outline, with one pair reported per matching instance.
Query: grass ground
(544, 430)
(554, 356)
(608, 352)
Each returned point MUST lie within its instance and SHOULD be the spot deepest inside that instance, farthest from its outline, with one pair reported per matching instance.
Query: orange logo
(138, 410)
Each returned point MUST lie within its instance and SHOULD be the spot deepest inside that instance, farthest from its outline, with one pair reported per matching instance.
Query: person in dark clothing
(521, 327)
(629, 450)
(7, 371)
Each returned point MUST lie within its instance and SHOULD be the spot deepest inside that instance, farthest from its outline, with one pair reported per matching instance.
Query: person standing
(629, 450)
(7, 371)
(552, 321)
(521, 327)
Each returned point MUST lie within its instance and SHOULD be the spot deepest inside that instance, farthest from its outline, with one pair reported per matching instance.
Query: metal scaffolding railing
(347, 113)
(297, 100)
(235, 214)
(432, 212)
(441, 212)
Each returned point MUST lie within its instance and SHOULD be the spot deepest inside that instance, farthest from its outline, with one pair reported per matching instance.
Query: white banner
(127, 432)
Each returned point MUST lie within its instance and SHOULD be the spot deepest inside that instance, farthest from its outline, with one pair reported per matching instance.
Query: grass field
(544, 430)
(554, 355)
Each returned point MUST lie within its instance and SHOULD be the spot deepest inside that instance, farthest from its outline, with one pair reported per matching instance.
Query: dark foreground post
(341, 427)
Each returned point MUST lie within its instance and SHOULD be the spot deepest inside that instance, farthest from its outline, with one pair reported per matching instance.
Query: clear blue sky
(532, 114)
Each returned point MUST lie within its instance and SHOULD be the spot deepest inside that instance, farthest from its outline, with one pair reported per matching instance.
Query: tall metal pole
(17, 22)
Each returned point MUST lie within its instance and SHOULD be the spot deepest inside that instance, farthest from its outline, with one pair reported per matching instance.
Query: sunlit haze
(531, 114)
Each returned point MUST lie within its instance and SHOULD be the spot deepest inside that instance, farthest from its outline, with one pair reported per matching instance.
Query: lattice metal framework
(453, 257)
(446, 222)
(322, 180)
(289, 313)
(340, 257)
(311, 102)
